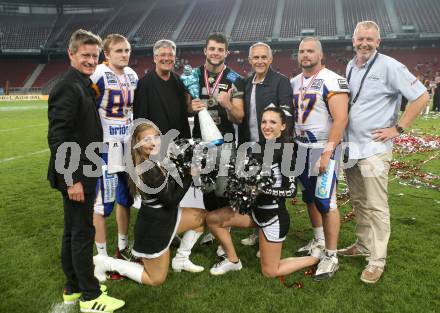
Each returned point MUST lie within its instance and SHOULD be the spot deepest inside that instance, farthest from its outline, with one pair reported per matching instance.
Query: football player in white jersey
(321, 109)
(114, 83)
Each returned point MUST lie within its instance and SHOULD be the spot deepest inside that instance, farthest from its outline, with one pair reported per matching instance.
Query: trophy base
(217, 142)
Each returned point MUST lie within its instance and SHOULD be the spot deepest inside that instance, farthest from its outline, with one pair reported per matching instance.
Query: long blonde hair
(137, 157)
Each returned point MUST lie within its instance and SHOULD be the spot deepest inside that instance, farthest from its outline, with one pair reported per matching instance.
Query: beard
(309, 66)
(215, 64)
(364, 50)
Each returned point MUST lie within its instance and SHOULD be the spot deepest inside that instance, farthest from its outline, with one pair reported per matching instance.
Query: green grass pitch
(31, 224)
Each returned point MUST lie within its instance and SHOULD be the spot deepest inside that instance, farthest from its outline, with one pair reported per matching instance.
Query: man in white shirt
(377, 83)
(320, 102)
(114, 84)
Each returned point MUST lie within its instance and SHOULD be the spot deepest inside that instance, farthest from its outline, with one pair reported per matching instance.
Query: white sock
(122, 242)
(101, 248)
(330, 252)
(319, 233)
(128, 269)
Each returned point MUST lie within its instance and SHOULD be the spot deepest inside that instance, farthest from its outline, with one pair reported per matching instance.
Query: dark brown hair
(217, 37)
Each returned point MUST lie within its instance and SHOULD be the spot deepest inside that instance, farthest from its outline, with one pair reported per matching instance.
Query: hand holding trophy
(209, 131)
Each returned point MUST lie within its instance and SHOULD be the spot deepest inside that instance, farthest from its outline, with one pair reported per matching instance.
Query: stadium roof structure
(61, 2)
(44, 26)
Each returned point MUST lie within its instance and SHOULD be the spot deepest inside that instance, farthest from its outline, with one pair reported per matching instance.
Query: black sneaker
(126, 255)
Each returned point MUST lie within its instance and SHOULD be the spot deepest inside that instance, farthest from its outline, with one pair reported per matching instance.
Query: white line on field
(62, 308)
(18, 128)
(22, 156)
(22, 108)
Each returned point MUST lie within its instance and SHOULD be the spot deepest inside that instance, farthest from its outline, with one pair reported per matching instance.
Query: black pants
(77, 247)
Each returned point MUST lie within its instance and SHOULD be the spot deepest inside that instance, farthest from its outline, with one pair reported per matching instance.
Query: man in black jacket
(160, 95)
(262, 89)
(74, 122)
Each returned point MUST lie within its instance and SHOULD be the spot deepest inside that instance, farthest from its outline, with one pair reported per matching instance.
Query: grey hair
(260, 44)
(316, 40)
(164, 43)
(367, 25)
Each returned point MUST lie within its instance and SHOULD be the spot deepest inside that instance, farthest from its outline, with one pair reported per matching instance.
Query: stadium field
(31, 226)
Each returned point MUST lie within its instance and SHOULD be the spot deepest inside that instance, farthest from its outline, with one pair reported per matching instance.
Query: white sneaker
(220, 251)
(258, 254)
(208, 238)
(327, 267)
(224, 266)
(318, 251)
(100, 267)
(307, 249)
(179, 264)
(250, 241)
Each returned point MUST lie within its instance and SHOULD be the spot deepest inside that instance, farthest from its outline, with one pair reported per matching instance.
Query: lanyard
(346, 152)
(303, 90)
(217, 81)
(363, 77)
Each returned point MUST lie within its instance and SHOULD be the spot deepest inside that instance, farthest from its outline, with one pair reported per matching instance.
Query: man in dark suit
(262, 89)
(73, 120)
(160, 95)
(161, 98)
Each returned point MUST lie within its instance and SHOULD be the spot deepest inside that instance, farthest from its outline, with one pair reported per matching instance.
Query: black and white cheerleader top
(271, 200)
(159, 215)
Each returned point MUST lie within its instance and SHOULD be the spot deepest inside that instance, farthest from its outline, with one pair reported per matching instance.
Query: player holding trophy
(221, 94)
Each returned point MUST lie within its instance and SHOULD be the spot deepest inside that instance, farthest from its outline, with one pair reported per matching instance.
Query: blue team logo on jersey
(317, 84)
(132, 79)
(111, 78)
(232, 76)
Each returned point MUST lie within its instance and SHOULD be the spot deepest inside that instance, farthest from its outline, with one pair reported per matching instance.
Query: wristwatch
(400, 129)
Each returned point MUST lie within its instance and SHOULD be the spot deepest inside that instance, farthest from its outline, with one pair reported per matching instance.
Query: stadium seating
(361, 10)
(305, 14)
(52, 69)
(423, 14)
(422, 62)
(160, 23)
(255, 20)
(283, 61)
(92, 22)
(125, 20)
(208, 16)
(16, 75)
(25, 31)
